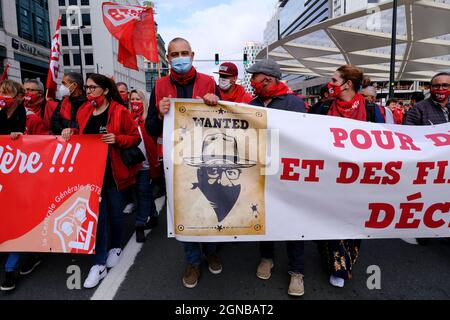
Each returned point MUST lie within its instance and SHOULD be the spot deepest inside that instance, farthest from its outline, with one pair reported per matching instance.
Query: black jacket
(288, 102)
(59, 124)
(425, 113)
(16, 123)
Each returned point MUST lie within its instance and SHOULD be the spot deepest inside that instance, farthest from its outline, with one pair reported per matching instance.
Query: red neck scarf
(234, 95)
(279, 89)
(183, 79)
(354, 109)
(34, 107)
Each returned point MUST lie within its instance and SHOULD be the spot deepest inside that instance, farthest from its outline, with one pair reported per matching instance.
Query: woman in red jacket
(146, 215)
(107, 116)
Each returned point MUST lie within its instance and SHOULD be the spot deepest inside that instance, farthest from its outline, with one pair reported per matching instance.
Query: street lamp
(393, 47)
(79, 47)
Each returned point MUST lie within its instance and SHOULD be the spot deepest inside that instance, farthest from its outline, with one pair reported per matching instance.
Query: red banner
(50, 193)
(134, 28)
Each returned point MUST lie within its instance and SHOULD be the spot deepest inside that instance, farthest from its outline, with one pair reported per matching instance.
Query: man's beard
(222, 198)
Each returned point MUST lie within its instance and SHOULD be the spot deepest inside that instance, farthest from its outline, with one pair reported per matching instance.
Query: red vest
(164, 87)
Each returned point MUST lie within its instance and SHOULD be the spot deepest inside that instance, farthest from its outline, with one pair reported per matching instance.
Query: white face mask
(224, 84)
(64, 91)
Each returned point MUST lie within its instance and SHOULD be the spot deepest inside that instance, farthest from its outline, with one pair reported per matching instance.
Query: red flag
(53, 69)
(5, 73)
(134, 28)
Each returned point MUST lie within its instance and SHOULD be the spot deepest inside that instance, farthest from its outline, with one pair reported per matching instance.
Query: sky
(214, 26)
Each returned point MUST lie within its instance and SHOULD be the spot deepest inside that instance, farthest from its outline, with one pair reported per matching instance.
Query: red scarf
(183, 79)
(34, 107)
(236, 95)
(279, 89)
(354, 109)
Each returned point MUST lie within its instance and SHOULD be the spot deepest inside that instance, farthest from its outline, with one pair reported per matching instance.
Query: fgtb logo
(76, 227)
(121, 15)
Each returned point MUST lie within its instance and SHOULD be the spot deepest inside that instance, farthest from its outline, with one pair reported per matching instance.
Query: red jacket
(238, 95)
(35, 125)
(50, 107)
(125, 128)
(151, 148)
(164, 87)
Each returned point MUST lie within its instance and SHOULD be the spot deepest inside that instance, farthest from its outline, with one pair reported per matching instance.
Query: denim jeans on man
(145, 202)
(295, 251)
(194, 250)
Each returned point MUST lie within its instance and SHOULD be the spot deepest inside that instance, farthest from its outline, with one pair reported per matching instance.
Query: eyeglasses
(32, 90)
(91, 88)
(216, 173)
(444, 86)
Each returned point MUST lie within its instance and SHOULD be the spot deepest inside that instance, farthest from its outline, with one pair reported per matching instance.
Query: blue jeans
(111, 211)
(295, 251)
(194, 250)
(144, 194)
(12, 263)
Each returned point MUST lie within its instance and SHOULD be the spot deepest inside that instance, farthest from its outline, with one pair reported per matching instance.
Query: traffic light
(245, 59)
(217, 59)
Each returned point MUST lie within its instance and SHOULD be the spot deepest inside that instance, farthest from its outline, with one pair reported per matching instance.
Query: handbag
(132, 156)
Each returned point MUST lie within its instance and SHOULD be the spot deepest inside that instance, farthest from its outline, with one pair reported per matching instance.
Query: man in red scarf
(270, 91)
(38, 109)
(229, 90)
(184, 82)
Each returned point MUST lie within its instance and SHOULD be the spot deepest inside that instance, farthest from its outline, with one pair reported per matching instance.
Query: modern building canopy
(363, 38)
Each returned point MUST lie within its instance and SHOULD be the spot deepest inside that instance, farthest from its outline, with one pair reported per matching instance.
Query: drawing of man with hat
(219, 170)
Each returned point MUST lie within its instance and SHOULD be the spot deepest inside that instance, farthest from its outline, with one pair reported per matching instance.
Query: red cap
(228, 69)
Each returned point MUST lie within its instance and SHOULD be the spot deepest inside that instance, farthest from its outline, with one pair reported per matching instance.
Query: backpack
(370, 110)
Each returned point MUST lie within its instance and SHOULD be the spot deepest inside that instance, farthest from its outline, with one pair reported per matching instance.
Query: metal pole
(393, 47)
(79, 47)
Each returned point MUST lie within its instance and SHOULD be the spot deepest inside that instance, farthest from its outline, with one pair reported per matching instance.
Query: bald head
(179, 48)
(179, 42)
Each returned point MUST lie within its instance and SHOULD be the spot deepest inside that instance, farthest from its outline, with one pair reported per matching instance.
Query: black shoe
(140, 234)
(152, 223)
(9, 283)
(29, 265)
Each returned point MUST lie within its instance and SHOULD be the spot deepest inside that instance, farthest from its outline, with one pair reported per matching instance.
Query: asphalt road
(407, 272)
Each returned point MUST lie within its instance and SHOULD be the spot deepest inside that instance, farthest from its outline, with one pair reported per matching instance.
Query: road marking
(109, 287)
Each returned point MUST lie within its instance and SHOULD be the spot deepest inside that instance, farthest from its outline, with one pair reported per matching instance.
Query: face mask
(6, 102)
(440, 95)
(182, 65)
(30, 99)
(258, 87)
(64, 91)
(96, 101)
(137, 108)
(124, 97)
(224, 84)
(334, 89)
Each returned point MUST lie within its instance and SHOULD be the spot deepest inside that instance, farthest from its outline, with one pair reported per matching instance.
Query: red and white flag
(53, 69)
(134, 28)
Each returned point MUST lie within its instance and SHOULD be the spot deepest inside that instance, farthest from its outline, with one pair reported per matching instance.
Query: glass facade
(33, 21)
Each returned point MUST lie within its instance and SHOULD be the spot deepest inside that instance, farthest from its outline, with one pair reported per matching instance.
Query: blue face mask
(182, 65)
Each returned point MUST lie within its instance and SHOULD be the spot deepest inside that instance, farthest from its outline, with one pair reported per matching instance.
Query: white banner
(241, 173)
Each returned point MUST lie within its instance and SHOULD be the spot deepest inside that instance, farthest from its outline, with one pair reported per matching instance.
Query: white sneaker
(113, 257)
(337, 282)
(96, 274)
(129, 209)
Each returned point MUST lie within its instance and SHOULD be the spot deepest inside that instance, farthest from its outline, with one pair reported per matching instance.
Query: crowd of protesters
(127, 119)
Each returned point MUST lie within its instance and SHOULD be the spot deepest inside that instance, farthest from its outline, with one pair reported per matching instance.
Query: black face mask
(222, 198)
